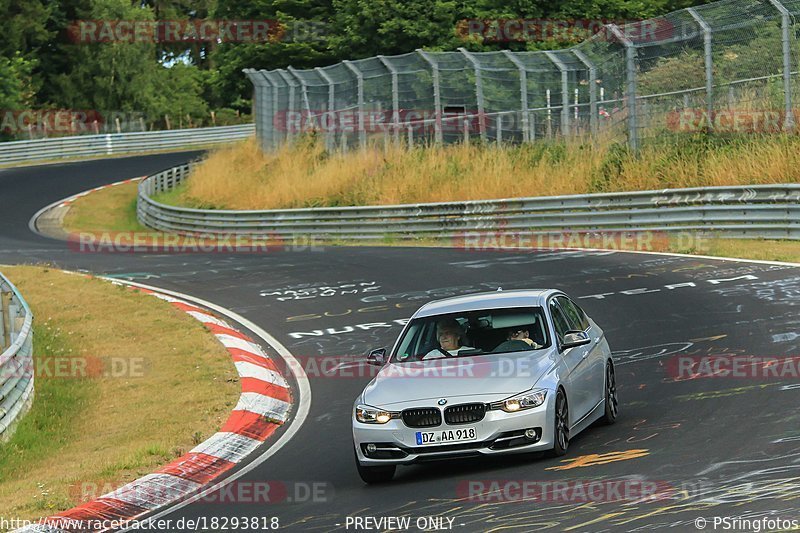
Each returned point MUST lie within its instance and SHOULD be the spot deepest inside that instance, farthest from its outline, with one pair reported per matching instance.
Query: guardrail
(119, 143)
(759, 211)
(16, 356)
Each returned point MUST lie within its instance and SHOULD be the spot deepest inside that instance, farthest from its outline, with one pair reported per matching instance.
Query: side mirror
(377, 357)
(575, 338)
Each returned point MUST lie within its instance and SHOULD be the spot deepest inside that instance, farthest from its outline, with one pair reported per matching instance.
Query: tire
(375, 474)
(611, 400)
(560, 426)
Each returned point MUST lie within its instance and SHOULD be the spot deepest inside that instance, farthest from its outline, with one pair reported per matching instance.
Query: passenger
(449, 334)
(522, 335)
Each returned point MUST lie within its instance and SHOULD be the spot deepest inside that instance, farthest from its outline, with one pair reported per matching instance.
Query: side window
(576, 316)
(559, 320)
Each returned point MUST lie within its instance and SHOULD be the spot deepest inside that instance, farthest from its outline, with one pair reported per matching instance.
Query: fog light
(530, 434)
(371, 448)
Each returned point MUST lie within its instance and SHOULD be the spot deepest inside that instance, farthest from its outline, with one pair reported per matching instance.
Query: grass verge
(241, 176)
(124, 384)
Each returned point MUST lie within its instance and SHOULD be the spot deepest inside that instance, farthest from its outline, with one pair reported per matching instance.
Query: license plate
(446, 436)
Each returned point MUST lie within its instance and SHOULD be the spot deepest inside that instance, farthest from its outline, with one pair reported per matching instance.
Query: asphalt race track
(728, 447)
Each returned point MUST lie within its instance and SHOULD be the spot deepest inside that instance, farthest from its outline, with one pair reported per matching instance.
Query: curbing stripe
(268, 389)
(153, 491)
(228, 445)
(249, 424)
(250, 370)
(235, 342)
(198, 467)
(264, 404)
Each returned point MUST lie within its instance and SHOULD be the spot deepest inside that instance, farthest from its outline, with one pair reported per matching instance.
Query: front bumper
(498, 433)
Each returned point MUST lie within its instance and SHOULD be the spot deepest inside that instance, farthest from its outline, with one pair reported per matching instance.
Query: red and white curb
(263, 406)
(67, 201)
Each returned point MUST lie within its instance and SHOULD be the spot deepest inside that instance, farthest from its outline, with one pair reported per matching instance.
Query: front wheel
(375, 474)
(612, 403)
(561, 429)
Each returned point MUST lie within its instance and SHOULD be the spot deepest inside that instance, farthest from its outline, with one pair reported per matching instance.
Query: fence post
(709, 65)
(630, 68)
(592, 88)
(523, 93)
(786, 22)
(330, 136)
(437, 97)
(291, 84)
(276, 86)
(564, 91)
(362, 132)
(303, 88)
(395, 99)
(478, 91)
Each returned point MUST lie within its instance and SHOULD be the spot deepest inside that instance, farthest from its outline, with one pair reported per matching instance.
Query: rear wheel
(375, 474)
(612, 403)
(561, 429)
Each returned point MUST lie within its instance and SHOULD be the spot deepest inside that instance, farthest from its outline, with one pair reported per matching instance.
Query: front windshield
(471, 333)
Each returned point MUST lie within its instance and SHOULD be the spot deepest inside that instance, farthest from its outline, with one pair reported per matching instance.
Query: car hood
(492, 377)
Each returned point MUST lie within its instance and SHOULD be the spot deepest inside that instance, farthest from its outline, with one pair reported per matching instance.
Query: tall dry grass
(306, 175)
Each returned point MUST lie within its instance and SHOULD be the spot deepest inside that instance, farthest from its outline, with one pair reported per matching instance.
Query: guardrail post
(437, 97)
(330, 136)
(564, 91)
(362, 132)
(786, 42)
(478, 92)
(395, 99)
(5, 320)
(592, 88)
(523, 93)
(708, 63)
(630, 69)
(109, 144)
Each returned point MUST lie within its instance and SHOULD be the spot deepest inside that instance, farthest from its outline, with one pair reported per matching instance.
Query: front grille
(424, 417)
(465, 413)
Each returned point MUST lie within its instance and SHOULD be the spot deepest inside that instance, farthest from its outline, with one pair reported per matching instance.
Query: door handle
(597, 339)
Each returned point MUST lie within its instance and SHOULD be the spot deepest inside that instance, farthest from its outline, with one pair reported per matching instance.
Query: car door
(595, 359)
(578, 394)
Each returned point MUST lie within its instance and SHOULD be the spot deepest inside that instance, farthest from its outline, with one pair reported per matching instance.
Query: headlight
(526, 400)
(370, 415)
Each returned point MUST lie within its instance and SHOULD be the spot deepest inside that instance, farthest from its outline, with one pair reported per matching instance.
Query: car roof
(486, 300)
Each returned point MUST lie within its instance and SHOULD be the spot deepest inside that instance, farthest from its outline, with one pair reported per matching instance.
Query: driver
(448, 333)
